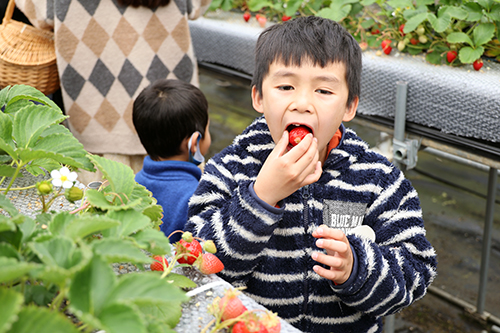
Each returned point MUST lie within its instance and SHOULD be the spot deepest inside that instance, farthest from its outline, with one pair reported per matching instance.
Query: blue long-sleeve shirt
(172, 184)
(268, 249)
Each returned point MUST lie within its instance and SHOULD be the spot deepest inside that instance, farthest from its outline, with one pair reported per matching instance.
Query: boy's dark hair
(167, 112)
(320, 40)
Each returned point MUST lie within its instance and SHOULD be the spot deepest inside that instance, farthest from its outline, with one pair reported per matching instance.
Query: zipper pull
(305, 192)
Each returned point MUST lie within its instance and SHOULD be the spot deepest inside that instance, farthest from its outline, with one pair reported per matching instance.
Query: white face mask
(198, 158)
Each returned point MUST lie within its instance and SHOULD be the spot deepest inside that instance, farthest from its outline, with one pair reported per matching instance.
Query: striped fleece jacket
(268, 249)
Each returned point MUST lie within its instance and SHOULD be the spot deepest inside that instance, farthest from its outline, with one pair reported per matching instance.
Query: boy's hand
(285, 172)
(339, 255)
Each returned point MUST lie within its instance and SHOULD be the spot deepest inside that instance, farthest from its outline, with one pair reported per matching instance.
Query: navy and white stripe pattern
(268, 249)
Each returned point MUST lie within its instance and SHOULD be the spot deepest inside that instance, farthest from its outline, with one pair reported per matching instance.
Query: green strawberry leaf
(6, 147)
(100, 200)
(27, 228)
(468, 55)
(13, 269)
(161, 317)
(414, 22)
(336, 12)
(145, 196)
(84, 226)
(474, 11)
(494, 14)
(7, 171)
(6, 224)
(483, 33)
(131, 220)
(440, 23)
(455, 12)
(292, 6)
(459, 37)
(400, 3)
(154, 241)
(120, 250)
(434, 57)
(6, 128)
(28, 154)
(180, 281)
(7, 206)
(90, 287)
(65, 144)
(256, 5)
(8, 251)
(145, 288)
(485, 4)
(39, 294)
(119, 175)
(122, 318)
(12, 94)
(42, 320)
(10, 305)
(30, 122)
(420, 3)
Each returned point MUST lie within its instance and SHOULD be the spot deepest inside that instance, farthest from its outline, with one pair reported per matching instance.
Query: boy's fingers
(324, 231)
(282, 144)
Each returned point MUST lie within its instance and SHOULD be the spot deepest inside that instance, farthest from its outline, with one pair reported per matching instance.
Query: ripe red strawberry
(271, 322)
(210, 264)
(246, 16)
(477, 64)
(414, 41)
(157, 265)
(262, 21)
(387, 50)
(249, 326)
(451, 55)
(285, 18)
(230, 305)
(191, 251)
(401, 28)
(297, 134)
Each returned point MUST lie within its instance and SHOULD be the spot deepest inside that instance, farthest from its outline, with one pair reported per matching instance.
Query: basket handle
(9, 11)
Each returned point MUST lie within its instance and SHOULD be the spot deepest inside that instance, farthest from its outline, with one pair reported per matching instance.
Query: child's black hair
(310, 38)
(167, 112)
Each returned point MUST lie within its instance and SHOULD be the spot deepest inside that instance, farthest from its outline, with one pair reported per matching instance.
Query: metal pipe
(400, 119)
(488, 224)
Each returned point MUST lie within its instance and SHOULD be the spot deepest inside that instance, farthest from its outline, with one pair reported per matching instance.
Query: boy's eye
(286, 88)
(326, 92)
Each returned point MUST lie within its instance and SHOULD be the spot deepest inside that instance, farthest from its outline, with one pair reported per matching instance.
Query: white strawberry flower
(63, 177)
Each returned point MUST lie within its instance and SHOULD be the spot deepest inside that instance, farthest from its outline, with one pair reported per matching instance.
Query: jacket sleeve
(38, 12)
(396, 269)
(197, 8)
(225, 209)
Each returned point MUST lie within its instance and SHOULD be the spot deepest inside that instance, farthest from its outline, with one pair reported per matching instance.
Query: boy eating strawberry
(327, 233)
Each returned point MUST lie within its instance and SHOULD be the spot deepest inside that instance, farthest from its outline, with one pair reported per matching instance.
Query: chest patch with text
(343, 215)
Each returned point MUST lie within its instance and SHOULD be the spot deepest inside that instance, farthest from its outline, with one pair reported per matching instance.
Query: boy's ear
(257, 100)
(351, 110)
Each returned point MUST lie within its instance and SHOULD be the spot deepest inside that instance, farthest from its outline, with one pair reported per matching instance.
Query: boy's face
(307, 95)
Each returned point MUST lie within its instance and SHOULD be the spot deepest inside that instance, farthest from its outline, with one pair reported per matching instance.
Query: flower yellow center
(64, 178)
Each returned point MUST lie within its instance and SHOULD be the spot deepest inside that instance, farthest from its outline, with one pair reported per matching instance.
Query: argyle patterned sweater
(107, 53)
(268, 249)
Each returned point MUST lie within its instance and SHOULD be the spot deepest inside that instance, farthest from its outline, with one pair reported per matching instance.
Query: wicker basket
(27, 55)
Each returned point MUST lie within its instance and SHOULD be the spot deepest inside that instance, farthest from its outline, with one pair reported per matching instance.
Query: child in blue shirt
(171, 119)
(327, 233)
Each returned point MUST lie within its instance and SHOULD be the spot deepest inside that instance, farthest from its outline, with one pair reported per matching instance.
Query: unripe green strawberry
(422, 39)
(73, 194)
(401, 45)
(187, 236)
(44, 187)
(209, 246)
(420, 30)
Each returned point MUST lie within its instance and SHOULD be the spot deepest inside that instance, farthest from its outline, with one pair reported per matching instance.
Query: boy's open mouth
(297, 132)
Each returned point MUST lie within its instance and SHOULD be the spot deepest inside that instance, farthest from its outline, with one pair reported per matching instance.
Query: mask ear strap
(198, 158)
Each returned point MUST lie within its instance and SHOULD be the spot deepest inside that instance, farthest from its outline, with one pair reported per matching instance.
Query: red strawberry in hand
(451, 55)
(210, 264)
(297, 134)
(230, 305)
(246, 16)
(157, 265)
(191, 251)
(477, 64)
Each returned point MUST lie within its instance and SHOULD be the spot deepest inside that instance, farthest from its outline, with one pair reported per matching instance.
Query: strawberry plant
(56, 266)
(431, 28)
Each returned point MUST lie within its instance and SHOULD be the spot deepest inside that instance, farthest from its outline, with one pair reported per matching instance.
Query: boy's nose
(302, 103)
